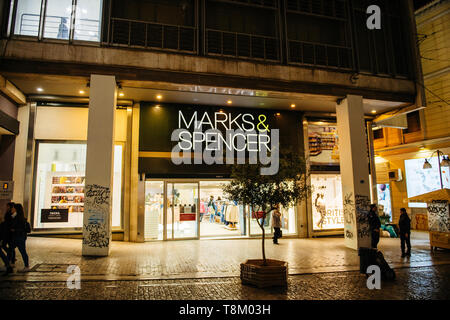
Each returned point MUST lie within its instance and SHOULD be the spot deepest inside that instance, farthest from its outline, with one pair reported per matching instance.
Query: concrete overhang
(8, 125)
(182, 69)
(11, 91)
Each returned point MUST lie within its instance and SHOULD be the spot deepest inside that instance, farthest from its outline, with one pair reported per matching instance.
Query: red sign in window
(187, 216)
(257, 214)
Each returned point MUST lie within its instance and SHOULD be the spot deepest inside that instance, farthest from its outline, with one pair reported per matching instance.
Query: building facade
(427, 133)
(107, 82)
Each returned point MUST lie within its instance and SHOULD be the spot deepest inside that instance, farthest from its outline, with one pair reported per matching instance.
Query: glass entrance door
(182, 210)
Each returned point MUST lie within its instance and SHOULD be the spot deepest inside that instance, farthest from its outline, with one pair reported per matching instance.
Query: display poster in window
(327, 210)
(323, 144)
(420, 180)
(384, 198)
(54, 215)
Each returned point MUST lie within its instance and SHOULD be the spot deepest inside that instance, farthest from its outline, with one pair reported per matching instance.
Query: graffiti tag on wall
(97, 210)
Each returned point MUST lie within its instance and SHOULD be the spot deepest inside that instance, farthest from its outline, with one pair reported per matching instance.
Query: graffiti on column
(362, 205)
(349, 213)
(438, 216)
(97, 205)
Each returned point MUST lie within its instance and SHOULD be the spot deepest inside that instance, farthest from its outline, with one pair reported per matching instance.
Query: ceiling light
(292, 105)
(427, 165)
(159, 97)
(229, 102)
(81, 91)
(121, 94)
(374, 111)
(277, 114)
(39, 89)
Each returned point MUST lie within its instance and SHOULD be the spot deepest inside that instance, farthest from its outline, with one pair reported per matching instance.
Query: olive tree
(263, 192)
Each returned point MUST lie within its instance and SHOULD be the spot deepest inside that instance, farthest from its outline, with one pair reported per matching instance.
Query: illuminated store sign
(327, 210)
(229, 133)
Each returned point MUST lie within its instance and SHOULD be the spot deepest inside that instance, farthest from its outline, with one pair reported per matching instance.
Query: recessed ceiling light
(121, 94)
(277, 114)
(374, 111)
(159, 97)
(292, 105)
(39, 89)
(81, 91)
(229, 102)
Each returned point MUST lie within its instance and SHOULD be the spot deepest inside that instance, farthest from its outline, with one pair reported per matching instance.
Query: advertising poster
(323, 144)
(420, 180)
(384, 198)
(327, 210)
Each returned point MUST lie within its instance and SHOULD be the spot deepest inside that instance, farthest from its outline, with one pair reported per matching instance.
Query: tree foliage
(264, 192)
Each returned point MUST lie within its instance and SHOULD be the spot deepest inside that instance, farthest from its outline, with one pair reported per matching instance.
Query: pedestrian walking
(276, 224)
(374, 225)
(19, 229)
(5, 239)
(404, 224)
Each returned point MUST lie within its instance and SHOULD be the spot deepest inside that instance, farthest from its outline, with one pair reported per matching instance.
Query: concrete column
(20, 153)
(354, 165)
(99, 166)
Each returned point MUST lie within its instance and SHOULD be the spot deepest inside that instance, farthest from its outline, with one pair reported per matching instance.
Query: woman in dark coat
(19, 233)
(404, 224)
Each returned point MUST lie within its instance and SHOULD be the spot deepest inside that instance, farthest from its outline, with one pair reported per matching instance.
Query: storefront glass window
(182, 203)
(27, 18)
(323, 144)
(218, 215)
(154, 210)
(59, 189)
(87, 20)
(57, 19)
(327, 205)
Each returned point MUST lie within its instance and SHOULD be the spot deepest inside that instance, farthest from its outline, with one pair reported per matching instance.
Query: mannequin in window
(63, 31)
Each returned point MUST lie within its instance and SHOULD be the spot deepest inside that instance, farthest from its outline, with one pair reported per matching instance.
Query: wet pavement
(50, 257)
(422, 283)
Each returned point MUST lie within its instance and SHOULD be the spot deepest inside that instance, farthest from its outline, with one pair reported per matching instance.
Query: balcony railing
(58, 27)
(242, 45)
(132, 33)
(301, 52)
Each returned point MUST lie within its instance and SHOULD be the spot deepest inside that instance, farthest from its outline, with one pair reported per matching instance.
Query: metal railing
(58, 27)
(310, 53)
(242, 45)
(152, 35)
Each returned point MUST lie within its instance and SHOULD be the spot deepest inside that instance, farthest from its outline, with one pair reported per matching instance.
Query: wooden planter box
(274, 274)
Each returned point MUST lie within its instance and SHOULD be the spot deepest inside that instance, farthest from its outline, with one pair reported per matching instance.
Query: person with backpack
(19, 228)
(374, 225)
(404, 224)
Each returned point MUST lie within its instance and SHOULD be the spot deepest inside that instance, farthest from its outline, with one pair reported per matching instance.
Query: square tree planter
(275, 273)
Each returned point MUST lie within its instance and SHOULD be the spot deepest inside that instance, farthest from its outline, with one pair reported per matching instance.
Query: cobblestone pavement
(411, 283)
(50, 257)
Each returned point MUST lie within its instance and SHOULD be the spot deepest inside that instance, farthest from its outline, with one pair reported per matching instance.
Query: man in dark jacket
(5, 238)
(374, 225)
(404, 224)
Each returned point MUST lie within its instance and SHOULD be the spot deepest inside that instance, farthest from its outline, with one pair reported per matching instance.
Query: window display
(327, 205)
(218, 215)
(154, 210)
(323, 144)
(420, 181)
(60, 180)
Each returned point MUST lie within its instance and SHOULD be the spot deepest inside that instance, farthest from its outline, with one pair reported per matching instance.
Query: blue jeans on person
(19, 242)
(211, 216)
